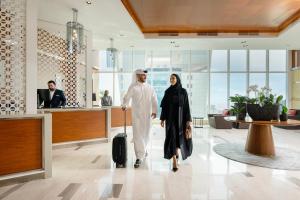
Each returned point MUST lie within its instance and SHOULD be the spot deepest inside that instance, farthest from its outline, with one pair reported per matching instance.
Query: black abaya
(176, 113)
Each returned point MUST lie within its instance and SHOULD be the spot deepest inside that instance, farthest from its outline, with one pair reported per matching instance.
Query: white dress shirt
(51, 94)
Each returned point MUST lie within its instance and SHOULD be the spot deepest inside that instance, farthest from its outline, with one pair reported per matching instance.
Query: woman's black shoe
(175, 169)
(177, 156)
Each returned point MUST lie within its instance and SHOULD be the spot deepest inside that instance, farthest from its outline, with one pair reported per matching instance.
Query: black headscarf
(177, 87)
(171, 90)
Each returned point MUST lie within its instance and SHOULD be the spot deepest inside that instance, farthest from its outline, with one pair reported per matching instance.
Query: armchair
(217, 121)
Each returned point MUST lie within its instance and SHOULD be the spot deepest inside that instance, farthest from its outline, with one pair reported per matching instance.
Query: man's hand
(153, 115)
(162, 123)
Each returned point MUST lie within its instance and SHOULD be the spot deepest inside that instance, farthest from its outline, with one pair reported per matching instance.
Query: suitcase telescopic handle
(125, 123)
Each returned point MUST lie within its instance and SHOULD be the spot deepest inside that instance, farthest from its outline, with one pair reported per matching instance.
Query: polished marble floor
(87, 173)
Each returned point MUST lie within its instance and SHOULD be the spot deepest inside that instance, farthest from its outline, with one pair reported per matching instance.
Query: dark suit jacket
(57, 100)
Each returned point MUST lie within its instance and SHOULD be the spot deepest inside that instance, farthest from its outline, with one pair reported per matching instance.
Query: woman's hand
(162, 123)
(188, 123)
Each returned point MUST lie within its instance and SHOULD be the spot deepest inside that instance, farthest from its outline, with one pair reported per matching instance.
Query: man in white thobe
(144, 107)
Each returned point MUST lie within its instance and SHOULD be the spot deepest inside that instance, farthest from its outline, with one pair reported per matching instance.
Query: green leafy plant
(239, 104)
(284, 110)
(279, 99)
(236, 110)
(251, 100)
(238, 99)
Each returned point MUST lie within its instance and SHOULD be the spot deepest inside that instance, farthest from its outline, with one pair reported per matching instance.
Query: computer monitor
(94, 97)
(41, 96)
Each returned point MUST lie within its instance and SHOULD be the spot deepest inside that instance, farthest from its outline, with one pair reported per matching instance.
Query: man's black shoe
(137, 163)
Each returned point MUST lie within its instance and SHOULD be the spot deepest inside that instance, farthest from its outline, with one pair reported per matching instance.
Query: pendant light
(112, 54)
(75, 34)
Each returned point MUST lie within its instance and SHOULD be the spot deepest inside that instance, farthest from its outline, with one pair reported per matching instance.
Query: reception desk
(79, 125)
(25, 146)
(117, 117)
(26, 141)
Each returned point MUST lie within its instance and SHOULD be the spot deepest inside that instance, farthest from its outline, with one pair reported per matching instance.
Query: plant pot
(241, 116)
(263, 113)
(283, 117)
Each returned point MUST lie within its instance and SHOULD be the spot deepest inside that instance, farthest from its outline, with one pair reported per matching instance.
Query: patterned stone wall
(12, 57)
(67, 69)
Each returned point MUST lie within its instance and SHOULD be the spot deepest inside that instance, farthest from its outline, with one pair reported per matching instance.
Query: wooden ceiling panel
(224, 16)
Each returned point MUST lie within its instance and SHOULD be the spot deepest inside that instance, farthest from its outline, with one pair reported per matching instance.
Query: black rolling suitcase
(119, 147)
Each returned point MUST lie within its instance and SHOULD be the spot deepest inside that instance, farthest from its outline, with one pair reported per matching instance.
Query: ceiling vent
(207, 34)
(248, 33)
(168, 34)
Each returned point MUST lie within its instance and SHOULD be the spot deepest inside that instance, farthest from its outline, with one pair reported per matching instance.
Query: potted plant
(239, 106)
(265, 105)
(284, 115)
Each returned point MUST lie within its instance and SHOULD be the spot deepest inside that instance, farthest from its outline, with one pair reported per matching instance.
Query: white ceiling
(109, 18)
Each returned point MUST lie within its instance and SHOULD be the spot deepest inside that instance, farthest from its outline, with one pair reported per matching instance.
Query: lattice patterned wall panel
(67, 69)
(12, 57)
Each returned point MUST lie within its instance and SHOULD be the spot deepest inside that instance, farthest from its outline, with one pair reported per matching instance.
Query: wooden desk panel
(78, 125)
(117, 117)
(20, 145)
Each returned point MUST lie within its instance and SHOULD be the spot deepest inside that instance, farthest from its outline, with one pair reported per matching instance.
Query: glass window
(106, 83)
(258, 79)
(138, 60)
(180, 60)
(161, 59)
(257, 60)
(238, 60)
(199, 91)
(277, 82)
(238, 84)
(180, 57)
(125, 61)
(219, 60)
(218, 92)
(122, 83)
(192, 66)
(102, 60)
(160, 82)
(185, 80)
(199, 61)
(277, 60)
(148, 59)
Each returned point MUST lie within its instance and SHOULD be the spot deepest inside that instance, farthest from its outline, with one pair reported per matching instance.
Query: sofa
(239, 125)
(217, 121)
(292, 114)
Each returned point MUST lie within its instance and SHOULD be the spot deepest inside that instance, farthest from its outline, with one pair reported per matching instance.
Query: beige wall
(295, 89)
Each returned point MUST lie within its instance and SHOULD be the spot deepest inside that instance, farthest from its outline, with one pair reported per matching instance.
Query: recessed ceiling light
(88, 2)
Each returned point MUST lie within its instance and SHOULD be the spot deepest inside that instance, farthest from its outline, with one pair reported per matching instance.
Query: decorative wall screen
(12, 57)
(68, 70)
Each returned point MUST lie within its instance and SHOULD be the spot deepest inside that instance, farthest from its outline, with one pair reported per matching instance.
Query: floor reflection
(204, 176)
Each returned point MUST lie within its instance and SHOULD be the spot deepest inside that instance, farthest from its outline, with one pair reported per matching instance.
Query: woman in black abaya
(176, 118)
